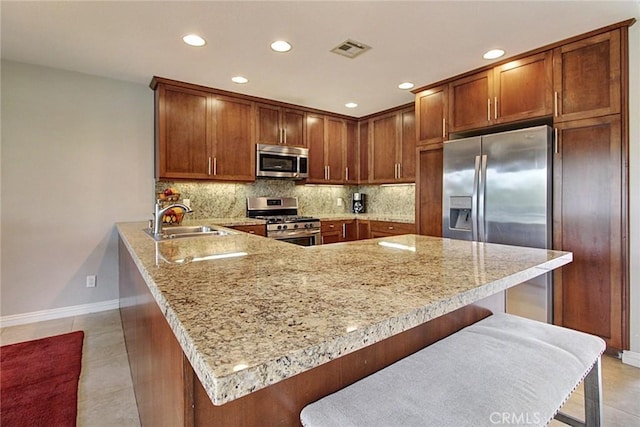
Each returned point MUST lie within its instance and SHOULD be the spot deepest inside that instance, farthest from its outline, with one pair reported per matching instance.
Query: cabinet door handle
(488, 109)
(328, 172)
(215, 166)
(284, 132)
(444, 126)
(344, 231)
(209, 166)
(556, 147)
(495, 107)
(555, 103)
(346, 174)
(252, 232)
(399, 170)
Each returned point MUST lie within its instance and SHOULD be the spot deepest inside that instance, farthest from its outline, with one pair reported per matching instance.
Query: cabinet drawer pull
(391, 227)
(252, 232)
(555, 103)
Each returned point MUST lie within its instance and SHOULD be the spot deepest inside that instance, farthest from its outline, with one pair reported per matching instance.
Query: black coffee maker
(359, 204)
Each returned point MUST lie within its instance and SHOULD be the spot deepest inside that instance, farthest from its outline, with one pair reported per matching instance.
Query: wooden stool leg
(593, 396)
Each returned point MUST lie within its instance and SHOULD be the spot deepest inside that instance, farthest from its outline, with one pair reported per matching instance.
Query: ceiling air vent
(350, 48)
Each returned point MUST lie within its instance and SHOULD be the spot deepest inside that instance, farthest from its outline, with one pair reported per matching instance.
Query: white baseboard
(631, 358)
(58, 313)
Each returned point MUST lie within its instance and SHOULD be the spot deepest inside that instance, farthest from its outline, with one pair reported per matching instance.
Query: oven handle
(289, 234)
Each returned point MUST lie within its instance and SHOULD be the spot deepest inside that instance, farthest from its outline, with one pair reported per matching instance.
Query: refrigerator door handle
(481, 199)
(474, 201)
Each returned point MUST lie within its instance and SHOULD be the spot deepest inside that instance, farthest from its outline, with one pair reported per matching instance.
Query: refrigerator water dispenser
(460, 212)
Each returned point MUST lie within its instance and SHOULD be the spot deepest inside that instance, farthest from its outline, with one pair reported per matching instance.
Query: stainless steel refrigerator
(497, 189)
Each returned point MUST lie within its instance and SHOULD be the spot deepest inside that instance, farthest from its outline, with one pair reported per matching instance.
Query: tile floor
(105, 396)
(105, 392)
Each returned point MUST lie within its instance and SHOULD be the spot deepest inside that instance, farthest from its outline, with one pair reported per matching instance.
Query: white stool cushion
(503, 368)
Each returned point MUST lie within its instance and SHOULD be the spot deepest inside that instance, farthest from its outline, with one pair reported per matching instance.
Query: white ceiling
(419, 41)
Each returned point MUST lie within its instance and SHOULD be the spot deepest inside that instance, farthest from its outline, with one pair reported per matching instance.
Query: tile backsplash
(228, 200)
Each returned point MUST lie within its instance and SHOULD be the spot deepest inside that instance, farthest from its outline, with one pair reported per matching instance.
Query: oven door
(301, 238)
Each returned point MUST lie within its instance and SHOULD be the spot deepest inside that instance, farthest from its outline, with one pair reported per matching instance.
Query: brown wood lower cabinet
(258, 230)
(589, 220)
(388, 228)
(338, 231)
(168, 392)
(429, 190)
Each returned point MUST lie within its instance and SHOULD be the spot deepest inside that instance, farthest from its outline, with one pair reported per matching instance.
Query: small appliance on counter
(359, 204)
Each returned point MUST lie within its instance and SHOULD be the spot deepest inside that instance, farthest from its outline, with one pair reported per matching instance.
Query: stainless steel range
(283, 221)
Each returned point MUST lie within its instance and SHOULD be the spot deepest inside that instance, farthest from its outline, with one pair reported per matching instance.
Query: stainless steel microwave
(278, 161)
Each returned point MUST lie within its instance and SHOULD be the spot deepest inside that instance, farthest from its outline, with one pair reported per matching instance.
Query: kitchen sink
(188, 231)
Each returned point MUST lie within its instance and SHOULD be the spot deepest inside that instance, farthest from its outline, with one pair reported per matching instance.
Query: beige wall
(76, 158)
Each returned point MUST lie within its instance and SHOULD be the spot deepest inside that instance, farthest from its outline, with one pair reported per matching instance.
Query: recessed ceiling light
(405, 85)
(493, 54)
(239, 79)
(281, 46)
(351, 105)
(194, 40)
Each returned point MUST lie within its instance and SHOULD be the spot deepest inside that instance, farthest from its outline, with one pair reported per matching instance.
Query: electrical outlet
(339, 201)
(91, 281)
(186, 202)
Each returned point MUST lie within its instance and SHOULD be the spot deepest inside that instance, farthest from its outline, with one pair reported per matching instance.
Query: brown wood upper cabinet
(333, 150)
(431, 115)
(392, 139)
(202, 135)
(586, 77)
(517, 90)
(280, 125)
(352, 154)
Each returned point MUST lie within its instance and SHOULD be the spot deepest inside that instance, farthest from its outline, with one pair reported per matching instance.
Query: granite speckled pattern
(228, 200)
(252, 320)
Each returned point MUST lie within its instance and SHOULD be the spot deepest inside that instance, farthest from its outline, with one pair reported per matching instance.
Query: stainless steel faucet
(159, 211)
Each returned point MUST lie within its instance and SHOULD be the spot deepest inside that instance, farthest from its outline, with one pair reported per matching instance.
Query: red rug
(39, 381)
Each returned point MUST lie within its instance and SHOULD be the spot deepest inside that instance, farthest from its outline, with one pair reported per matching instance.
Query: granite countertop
(267, 310)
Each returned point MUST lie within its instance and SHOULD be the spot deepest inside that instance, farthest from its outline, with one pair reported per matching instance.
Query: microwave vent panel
(350, 48)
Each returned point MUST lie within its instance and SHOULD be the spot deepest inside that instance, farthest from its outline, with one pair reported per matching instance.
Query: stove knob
(295, 226)
(284, 227)
(279, 227)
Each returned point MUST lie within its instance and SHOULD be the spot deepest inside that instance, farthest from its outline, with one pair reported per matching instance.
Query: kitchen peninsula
(258, 328)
